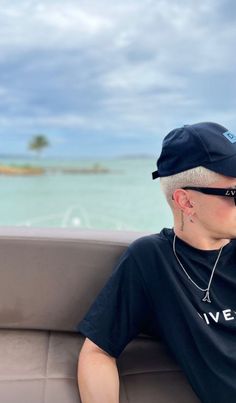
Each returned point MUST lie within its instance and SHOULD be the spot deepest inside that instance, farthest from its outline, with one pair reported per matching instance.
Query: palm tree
(38, 142)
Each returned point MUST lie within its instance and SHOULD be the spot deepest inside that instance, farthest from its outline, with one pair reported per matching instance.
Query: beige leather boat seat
(48, 279)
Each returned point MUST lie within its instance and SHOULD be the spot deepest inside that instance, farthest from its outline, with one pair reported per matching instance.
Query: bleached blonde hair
(198, 176)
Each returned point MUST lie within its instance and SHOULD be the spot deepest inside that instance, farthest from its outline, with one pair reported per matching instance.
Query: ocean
(125, 198)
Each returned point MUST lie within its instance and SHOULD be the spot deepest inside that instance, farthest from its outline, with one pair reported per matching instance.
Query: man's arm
(98, 377)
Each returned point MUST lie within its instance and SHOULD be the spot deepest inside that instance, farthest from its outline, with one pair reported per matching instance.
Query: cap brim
(155, 175)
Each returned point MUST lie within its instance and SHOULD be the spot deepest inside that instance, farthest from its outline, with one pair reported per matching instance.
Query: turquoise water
(124, 199)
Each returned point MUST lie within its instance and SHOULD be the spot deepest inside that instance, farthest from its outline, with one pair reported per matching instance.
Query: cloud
(64, 121)
(51, 25)
(131, 68)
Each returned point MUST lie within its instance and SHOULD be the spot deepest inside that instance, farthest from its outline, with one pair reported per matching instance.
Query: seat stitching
(46, 369)
(37, 379)
(125, 389)
(153, 372)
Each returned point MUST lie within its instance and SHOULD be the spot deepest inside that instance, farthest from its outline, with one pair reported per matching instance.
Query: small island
(37, 144)
(35, 170)
(95, 169)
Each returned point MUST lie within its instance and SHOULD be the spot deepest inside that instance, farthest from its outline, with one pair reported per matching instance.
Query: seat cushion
(150, 374)
(38, 366)
(41, 367)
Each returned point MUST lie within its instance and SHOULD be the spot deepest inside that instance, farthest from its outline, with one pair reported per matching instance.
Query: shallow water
(126, 198)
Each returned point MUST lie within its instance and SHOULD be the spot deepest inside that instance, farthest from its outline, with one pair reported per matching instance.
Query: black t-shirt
(148, 292)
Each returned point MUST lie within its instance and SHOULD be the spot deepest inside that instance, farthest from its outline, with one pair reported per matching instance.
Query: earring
(182, 221)
(190, 218)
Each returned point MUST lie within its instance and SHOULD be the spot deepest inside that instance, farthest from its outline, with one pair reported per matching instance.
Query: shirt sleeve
(121, 309)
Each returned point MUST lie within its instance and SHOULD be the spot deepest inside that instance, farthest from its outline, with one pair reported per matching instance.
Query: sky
(107, 78)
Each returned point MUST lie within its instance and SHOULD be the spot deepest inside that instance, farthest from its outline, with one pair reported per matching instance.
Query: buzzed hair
(198, 176)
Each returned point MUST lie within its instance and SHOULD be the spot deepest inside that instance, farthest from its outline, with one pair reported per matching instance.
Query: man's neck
(200, 241)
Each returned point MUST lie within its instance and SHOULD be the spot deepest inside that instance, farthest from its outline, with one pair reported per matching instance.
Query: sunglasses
(228, 192)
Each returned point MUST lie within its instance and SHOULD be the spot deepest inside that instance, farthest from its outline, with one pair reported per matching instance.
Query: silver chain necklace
(206, 298)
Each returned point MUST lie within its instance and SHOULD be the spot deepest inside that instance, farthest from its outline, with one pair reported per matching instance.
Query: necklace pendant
(206, 298)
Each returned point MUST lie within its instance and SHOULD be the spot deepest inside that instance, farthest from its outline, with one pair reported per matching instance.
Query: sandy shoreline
(10, 170)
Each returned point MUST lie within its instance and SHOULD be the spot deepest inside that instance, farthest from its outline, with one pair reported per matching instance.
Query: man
(180, 283)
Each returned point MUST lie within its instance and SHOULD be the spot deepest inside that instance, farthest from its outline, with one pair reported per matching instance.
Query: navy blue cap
(204, 144)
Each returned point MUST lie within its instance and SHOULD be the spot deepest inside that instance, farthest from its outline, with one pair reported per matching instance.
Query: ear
(181, 200)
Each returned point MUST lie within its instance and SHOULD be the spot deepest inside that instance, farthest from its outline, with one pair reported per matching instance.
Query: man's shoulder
(151, 242)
